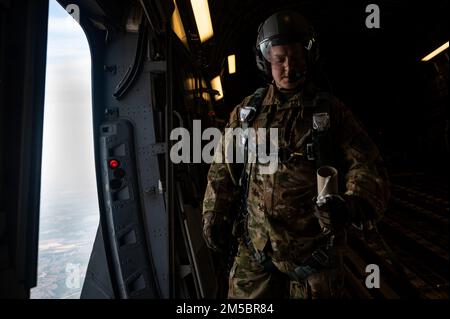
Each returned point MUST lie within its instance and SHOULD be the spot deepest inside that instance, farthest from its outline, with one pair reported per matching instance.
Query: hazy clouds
(69, 208)
(68, 145)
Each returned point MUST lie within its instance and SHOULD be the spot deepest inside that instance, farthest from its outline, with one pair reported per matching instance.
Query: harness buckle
(310, 152)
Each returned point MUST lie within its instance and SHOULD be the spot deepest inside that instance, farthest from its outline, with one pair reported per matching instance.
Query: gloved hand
(332, 213)
(215, 231)
(337, 212)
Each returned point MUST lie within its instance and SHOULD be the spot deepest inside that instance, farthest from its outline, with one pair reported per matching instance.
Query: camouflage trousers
(249, 280)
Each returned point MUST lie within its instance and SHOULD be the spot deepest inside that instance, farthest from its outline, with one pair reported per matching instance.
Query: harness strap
(318, 260)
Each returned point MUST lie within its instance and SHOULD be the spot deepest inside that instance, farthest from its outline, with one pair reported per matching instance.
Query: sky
(69, 206)
(67, 161)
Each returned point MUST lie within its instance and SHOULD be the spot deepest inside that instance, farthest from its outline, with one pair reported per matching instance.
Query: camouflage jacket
(280, 205)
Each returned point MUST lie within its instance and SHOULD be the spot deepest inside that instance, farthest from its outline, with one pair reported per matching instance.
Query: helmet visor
(266, 45)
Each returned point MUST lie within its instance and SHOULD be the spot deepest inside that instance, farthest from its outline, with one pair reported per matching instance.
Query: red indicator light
(114, 163)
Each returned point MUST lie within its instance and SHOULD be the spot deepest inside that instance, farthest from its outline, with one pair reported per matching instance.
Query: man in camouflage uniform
(282, 221)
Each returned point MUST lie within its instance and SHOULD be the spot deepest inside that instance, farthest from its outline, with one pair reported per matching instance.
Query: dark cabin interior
(378, 73)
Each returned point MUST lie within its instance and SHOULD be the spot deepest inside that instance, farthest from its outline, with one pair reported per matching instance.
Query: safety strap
(320, 148)
(246, 119)
(257, 97)
(260, 257)
(254, 103)
(318, 260)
